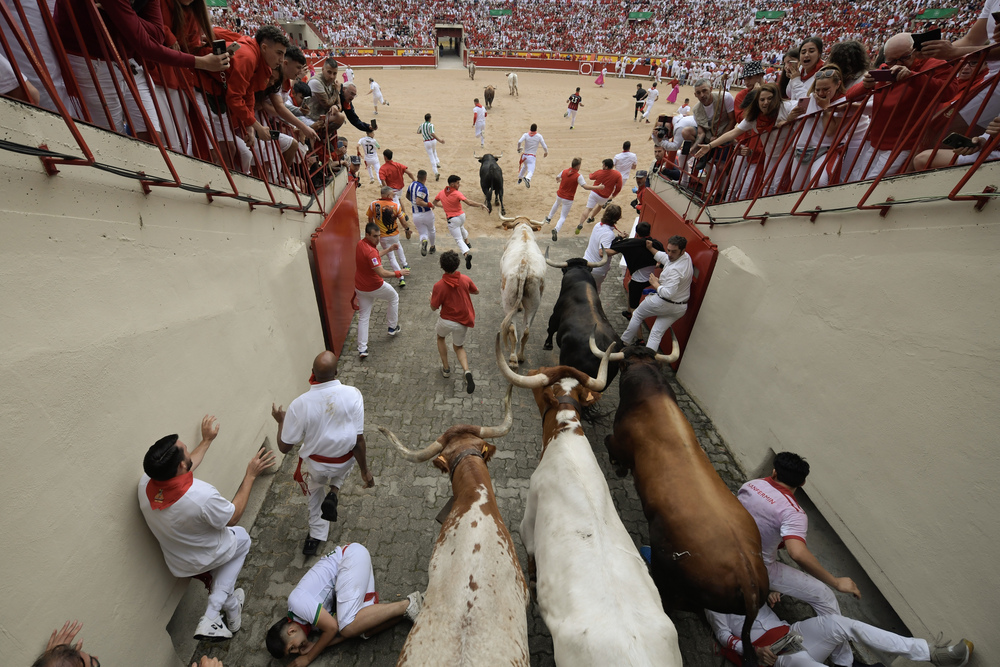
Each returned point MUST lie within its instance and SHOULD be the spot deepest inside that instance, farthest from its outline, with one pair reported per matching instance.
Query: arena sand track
(604, 122)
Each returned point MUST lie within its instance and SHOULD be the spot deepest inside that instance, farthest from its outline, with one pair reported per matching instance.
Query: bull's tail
(751, 588)
(505, 326)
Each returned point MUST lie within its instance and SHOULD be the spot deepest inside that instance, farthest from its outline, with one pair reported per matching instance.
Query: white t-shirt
(192, 532)
(532, 142)
(376, 89)
(778, 516)
(797, 88)
(684, 110)
(784, 109)
(675, 278)
(602, 237)
(625, 162)
(989, 7)
(680, 122)
(369, 148)
(350, 75)
(317, 589)
(327, 419)
(8, 80)
(730, 103)
(651, 96)
(480, 114)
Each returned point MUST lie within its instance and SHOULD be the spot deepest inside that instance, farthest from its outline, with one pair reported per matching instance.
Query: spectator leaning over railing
(810, 61)
(715, 114)
(893, 103)
(943, 157)
(272, 103)
(137, 31)
(325, 90)
(810, 162)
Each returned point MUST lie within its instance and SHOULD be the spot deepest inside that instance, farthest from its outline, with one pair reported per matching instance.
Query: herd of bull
(599, 599)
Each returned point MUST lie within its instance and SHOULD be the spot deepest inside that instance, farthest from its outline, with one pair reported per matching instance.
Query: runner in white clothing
(369, 150)
(651, 96)
(626, 161)
(479, 122)
(431, 140)
(780, 520)
(531, 140)
(375, 91)
(601, 239)
(672, 290)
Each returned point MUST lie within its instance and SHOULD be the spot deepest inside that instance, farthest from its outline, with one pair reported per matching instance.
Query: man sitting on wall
(196, 527)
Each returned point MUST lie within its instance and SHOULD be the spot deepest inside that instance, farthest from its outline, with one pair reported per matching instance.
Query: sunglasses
(827, 74)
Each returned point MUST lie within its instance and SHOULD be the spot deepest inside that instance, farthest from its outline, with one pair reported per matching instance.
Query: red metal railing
(847, 145)
(297, 187)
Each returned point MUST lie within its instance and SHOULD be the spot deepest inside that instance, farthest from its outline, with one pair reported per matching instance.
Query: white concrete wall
(124, 318)
(870, 346)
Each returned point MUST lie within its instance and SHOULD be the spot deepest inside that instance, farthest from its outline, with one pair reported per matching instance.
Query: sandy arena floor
(603, 123)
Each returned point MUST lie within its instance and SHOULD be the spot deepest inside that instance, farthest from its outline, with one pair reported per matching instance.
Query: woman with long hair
(819, 126)
(810, 62)
(789, 71)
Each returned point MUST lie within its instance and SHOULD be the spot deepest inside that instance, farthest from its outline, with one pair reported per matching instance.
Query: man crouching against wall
(196, 527)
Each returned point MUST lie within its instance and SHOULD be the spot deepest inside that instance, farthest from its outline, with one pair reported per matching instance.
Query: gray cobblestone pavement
(405, 392)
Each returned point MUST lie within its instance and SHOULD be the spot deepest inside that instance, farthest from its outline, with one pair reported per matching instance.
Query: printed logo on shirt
(374, 261)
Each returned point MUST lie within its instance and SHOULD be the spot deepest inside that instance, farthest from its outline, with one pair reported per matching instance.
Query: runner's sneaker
(416, 599)
(212, 630)
(955, 655)
(468, 261)
(519, 181)
(393, 332)
(329, 507)
(234, 614)
(790, 643)
(433, 250)
(470, 384)
(402, 283)
(579, 228)
(566, 115)
(437, 177)
(548, 219)
(555, 235)
(423, 248)
(527, 182)
(446, 373)
(363, 355)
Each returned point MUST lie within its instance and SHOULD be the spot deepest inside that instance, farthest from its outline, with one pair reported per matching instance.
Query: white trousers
(826, 636)
(317, 482)
(355, 583)
(92, 100)
(366, 300)
(378, 99)
(456, 226)
(176, 130)
(805, 587)
(373, 167)
(859, 173)
(648, 109)
(481, 132)
(992, 109)
(572, 116)
(222, 130)
(432, 153)
(527, 166)
(600, 273)
(566, 204)
(425, 225)
(396, 257)
(666, 314)
(224, 577)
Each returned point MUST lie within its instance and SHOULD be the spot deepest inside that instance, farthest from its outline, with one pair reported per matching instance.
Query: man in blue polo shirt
(423, 213)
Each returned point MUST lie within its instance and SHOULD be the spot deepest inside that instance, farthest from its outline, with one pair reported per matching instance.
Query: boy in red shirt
(452, 295)
(451, 201)
(369, 285)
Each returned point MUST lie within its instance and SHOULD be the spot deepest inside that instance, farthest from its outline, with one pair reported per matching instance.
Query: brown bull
(706, 547)
(488, 93)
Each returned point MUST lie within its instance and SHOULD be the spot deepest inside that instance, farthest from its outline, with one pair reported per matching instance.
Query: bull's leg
(499, 193)
(489, 197)
(609, 444)
(510, 341)
(553, 328)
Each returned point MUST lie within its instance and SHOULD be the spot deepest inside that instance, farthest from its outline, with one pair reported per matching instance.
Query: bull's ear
(488, 451)
(589, 397)
(441, 464)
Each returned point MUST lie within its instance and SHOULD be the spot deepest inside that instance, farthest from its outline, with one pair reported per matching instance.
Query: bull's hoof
(547, 345)
(503, 211)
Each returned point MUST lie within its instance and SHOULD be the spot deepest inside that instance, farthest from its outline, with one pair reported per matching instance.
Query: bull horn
(557, 265)
(500, 156)
(536, 381)
(508, 420)
(614, 356)
(425, 454)
(605, 260)
(506, 219)
(536, 222)
(675, 351)
(474, 155)
(601, 381)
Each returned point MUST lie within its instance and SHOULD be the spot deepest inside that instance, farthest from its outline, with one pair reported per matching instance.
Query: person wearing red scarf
(196, 526)
(329, 421)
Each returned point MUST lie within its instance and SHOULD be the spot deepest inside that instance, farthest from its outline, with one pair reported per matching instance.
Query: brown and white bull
(474, 612)
(593, 588)
(706, 547)
(522, 282)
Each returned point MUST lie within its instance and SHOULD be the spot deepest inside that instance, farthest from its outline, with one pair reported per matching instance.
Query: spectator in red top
(452, 295)
(136, 35)
(391, 174)
(569, 180)
(252, 66)
(369, 285)
(893, 102)
(609, 183)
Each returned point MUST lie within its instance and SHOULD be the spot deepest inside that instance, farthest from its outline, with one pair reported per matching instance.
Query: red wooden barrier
(666, 222)
(554, 64)
(332, 259)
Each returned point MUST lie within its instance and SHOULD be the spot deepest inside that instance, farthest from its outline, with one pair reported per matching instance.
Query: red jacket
(247, 74)
(451, 295)
(610, 181)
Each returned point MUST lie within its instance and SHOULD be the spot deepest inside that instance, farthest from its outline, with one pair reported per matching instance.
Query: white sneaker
(212, 630)
(416, 599)
(234, 613)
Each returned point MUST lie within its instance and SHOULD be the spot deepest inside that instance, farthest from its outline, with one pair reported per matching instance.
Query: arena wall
(869, 345)
(127, 317)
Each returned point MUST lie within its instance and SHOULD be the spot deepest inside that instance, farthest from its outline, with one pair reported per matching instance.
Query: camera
(275, 134)
(218, 47)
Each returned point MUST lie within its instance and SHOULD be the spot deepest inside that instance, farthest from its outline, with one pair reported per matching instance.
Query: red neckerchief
(162, 495)
(531, 134)
(806, 77)
(313, 380)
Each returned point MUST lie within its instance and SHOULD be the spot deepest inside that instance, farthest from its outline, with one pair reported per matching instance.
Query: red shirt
(392, 173)
(247, 74)
(451, 201)
(610, 181)
(574, 101)
(569, 179)
(168, 76)
(451, 295)
(366, 259)
(738, 100)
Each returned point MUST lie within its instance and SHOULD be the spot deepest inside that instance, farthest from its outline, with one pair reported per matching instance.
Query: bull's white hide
(522, 279)
(512, 83)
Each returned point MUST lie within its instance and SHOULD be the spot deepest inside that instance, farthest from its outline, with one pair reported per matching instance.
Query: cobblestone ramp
(404, 391)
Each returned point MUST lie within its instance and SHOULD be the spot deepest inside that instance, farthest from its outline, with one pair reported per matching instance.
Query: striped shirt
(427, 130)
(418, 190)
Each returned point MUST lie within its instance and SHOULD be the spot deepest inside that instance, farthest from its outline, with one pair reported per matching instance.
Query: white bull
(522, 281)
(512, 83)
(593, 588)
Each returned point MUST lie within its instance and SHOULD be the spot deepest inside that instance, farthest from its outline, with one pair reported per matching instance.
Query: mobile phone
(956, 140)
(233, 48)
(218, 47)
(882, 74)
(929, 36)
(374, 124)
(996, 17)
(275, 134)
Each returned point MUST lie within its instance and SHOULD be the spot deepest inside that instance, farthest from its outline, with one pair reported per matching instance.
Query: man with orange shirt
(452, 295)
(391, 174)
(369, 285)
(608, 182)
(451, 201)
(569, 180)
(387, 214)
(893, 103)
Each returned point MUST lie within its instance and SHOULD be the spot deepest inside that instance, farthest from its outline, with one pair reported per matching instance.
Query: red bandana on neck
(531, 134)
(162, 495)
(806, 77)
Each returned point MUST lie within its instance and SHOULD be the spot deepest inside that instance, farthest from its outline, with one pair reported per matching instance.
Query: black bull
(578, 314)
(491, 181)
